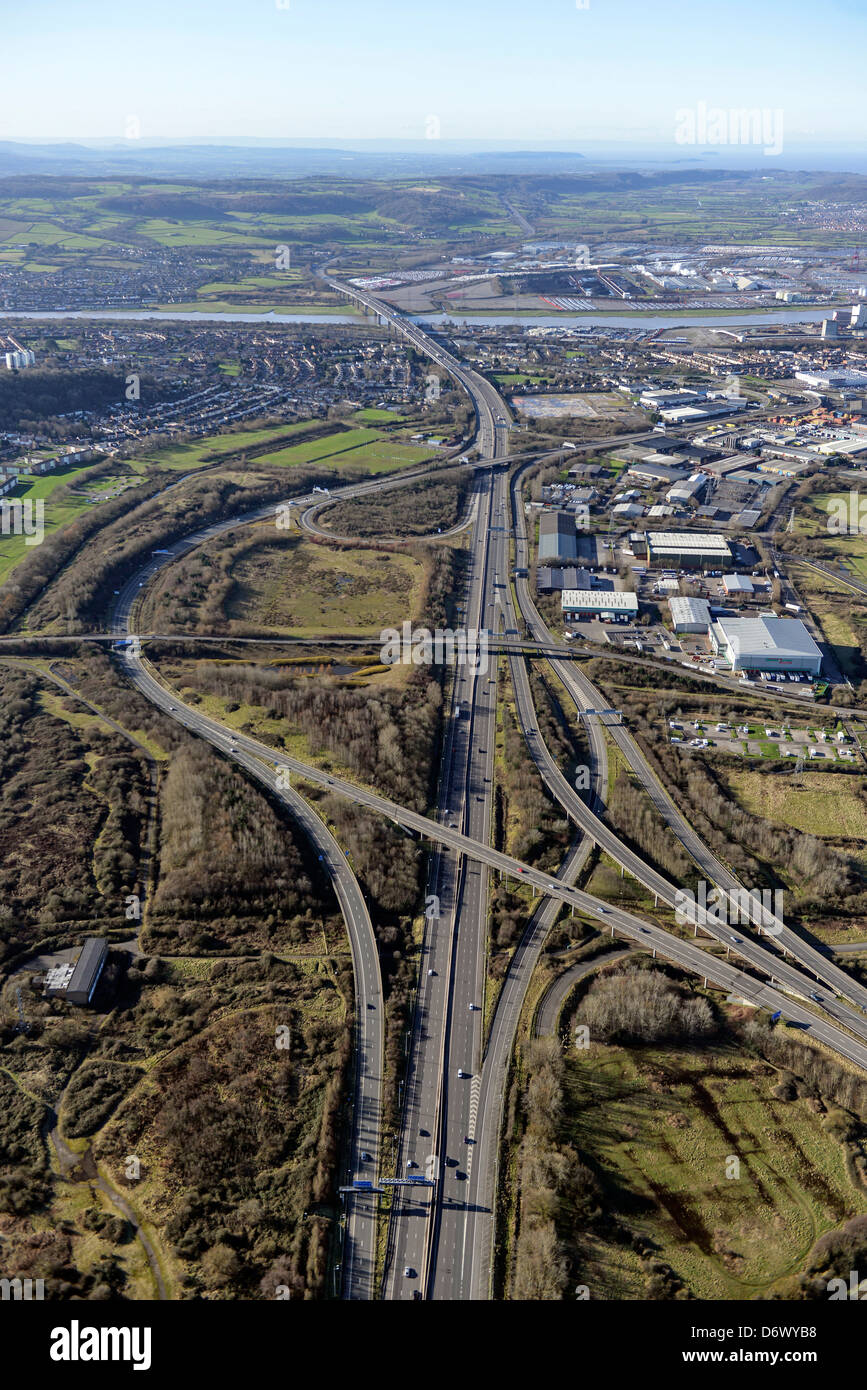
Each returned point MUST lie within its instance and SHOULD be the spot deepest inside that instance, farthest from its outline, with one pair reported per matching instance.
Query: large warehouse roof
(558, 539)
(680, 542)
(781, 638)
(599, 601)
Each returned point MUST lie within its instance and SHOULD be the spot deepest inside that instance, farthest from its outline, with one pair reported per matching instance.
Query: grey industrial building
(684, 549)
(766, 643)
(77, 983)
(558, 539)
(737, 584)
(570, 577)
(689, 614)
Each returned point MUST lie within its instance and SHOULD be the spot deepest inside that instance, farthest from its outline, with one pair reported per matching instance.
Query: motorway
(685, 952)
(431, 1241)
(447, 1242)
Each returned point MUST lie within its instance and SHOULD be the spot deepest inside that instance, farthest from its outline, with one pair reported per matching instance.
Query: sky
(546, 72)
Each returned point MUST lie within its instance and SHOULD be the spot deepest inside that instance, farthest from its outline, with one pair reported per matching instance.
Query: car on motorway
(409, 1272)
(431, 972)
(366, 1157)
(462, 1075)
(472, 1008)
(817, 998)
(736, 940)
(411, 1163)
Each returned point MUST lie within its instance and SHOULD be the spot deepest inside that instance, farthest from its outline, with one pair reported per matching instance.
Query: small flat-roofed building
(689, 614)
(88, 969)
(737, 584)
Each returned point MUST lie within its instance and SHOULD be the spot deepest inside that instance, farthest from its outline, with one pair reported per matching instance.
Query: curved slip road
(360, 1240)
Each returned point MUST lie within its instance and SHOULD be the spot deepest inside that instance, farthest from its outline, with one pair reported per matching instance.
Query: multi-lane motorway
(440, 1238)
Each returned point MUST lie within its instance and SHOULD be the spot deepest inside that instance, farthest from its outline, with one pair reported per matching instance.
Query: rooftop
(777, 636)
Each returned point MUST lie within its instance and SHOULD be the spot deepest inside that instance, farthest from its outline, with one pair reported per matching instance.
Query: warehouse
(687, 491)
(689, 614)
(558, 540)
(737, 584)
(547, 579)
(685, 549)
(766, 643)
(651, 472)
(582, 603)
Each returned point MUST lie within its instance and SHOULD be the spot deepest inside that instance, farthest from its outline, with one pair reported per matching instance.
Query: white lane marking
(475, 1090)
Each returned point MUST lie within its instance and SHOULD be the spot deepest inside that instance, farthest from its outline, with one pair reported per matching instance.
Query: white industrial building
(766, 643)
(689, 614)
(579, 603)
(737, 584)
(688, 489)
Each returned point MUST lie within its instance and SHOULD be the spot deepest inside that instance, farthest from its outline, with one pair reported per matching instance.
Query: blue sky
(545, 72)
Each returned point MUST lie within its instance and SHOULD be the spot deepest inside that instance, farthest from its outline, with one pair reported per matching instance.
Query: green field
(308, 588)
(819, 803)
(661, 1126)
(13, 549)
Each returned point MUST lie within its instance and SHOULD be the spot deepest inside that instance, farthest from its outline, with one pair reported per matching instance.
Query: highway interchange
(440, 1238)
